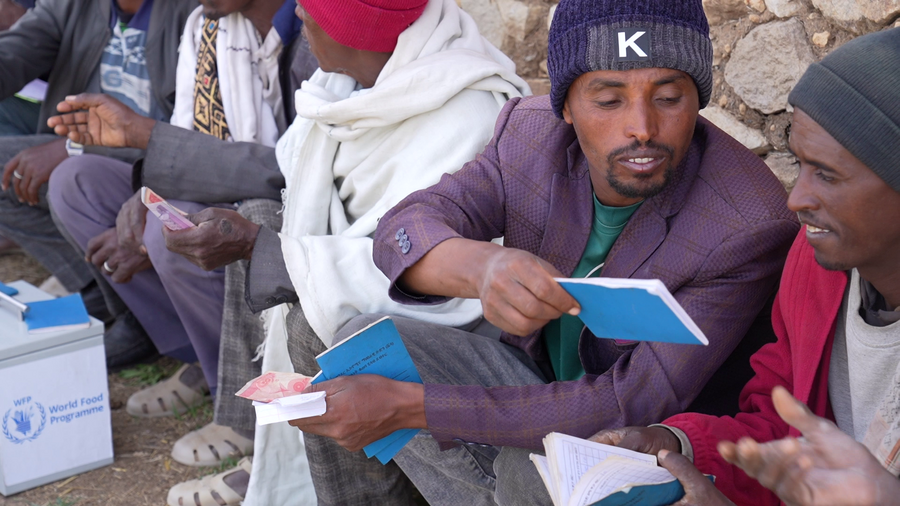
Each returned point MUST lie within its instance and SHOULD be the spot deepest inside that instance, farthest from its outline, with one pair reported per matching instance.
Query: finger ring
(17, 175)
(107, 268)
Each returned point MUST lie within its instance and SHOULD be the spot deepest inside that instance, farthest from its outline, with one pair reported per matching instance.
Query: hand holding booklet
(578, 472)
(376, 349)
(632, 310)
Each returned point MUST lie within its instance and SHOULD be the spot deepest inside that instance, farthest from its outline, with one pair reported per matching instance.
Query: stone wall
(761, 48)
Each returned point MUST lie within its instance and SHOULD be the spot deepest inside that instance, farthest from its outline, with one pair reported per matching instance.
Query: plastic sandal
(210, 445)
(209, 490)
(184, 389)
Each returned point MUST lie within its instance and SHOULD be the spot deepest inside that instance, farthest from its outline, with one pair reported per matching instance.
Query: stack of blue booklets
(632, 310)
(376, 349)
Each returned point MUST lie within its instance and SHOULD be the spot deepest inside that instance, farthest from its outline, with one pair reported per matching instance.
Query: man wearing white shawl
(407, 90)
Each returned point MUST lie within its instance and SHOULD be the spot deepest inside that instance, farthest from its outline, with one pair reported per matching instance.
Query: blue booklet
(632, 310)
(64, 313)
(657, 494)
(376, 349)
(8, 290)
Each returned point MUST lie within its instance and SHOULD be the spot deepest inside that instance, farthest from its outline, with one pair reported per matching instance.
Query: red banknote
(172, 217)
(274, 385)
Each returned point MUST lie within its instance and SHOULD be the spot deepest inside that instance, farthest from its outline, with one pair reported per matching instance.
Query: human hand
(698, 489)
(10, 12)
(130, 225)
(650, 440)
(101, 120)
(31, 169)
(364, 408)
(120, 264)
(825, 467)
(221, 237)
(518, 292)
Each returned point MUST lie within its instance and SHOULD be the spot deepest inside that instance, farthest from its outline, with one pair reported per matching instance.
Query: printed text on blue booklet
(376, 349)
(632, 310)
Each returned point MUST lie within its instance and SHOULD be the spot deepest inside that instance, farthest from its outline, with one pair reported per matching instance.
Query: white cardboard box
(54, 401)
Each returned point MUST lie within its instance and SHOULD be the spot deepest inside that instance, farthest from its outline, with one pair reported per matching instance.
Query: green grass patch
(148, 374)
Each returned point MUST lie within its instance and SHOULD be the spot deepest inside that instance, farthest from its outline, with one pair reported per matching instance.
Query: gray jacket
(187, 165)
(65, 40)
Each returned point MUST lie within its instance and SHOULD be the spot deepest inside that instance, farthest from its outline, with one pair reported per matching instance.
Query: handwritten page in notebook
(614, 473)
(575, 457)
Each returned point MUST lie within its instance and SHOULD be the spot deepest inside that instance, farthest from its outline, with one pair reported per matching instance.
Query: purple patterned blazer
(717, 236)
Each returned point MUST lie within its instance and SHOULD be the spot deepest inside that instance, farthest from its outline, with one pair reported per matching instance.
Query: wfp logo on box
(25, 421)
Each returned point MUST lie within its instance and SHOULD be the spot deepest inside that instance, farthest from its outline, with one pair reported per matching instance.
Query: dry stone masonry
(761, 48)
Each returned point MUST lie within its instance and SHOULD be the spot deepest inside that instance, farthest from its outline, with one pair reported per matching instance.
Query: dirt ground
(143, 470)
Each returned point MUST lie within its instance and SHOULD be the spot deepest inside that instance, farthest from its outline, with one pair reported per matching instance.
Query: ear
(567, 113)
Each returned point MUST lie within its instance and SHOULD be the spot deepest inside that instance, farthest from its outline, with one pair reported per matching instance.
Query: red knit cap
(367, 25)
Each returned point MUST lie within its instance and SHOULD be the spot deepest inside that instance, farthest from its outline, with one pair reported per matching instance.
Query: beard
(637, 190)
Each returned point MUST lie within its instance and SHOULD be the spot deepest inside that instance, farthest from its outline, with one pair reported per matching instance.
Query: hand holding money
(221, 237)
(277, 397)
(274, 385)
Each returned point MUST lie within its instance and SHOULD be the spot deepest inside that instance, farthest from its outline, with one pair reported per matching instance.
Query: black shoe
(127, 343)
(95, 304)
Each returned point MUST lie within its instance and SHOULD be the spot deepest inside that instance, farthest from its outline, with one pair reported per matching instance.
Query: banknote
(171, 216)
(274, 385)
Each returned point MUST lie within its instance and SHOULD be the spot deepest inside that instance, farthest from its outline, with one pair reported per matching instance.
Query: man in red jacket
(837, 314)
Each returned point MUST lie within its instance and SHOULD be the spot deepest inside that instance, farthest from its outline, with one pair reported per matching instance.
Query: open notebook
(578, 472)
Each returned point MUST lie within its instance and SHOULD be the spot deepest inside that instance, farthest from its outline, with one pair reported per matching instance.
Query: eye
(821, 175)
(607, 104)
(670, 100)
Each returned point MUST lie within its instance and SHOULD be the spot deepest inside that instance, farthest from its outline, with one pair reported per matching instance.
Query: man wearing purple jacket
(613, 174)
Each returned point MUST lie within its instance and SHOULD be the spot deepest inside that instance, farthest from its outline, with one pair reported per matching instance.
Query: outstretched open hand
(101, 120)
(825, 467)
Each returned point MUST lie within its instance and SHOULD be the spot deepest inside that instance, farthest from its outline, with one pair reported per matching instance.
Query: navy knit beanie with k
(854, 94)
(589, 35)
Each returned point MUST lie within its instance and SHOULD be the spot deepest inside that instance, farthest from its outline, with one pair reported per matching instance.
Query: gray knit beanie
(589, 35)
(854, 94)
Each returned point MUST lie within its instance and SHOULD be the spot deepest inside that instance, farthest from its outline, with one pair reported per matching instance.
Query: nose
(642, 122)
(802, 197)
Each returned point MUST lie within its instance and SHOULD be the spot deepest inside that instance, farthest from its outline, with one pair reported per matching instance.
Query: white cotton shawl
(248, 78)
(352, 155)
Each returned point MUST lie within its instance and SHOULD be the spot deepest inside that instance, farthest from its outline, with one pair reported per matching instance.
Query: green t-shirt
(561, 335)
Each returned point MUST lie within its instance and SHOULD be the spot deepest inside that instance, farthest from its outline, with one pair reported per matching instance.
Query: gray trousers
(19, 117)
(178, 303)
(32, 226)
(242, 331)
(468, 474)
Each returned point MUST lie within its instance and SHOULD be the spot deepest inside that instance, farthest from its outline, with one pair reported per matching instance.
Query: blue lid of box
(14, 337)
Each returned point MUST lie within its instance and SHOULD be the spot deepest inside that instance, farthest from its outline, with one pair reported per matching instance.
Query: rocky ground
(143, 471)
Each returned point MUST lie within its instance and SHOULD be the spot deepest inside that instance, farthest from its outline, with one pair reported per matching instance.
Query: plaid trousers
(470, 474)
(242, 331)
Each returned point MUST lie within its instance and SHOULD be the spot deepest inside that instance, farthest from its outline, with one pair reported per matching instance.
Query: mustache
(638, 149)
